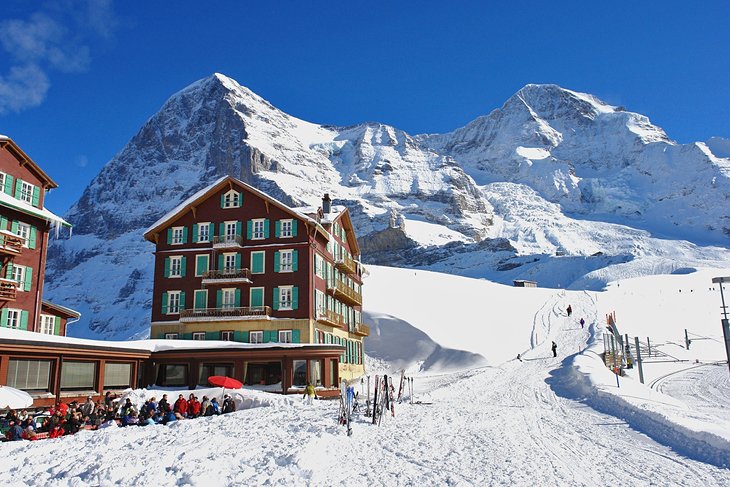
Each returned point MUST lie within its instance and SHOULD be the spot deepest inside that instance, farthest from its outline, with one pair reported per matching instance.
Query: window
(256, 297)
(228, 298)
(204, 232)
(208, 370)
(257, 262)
(48, 323)
(285, 297)
(175, 266)
(315, 372)
(231, 199)
(285, 229)
(23, 231)
(199, 335)
(173, 375)
(19, 276)
(117, 376)
(29, 375)
(227, 336)
(26, 192)
(78, 375)
(2, 180)
(285, 336)
(177, 235)
(173, 302)
(258, 229)
(229, 262)
(13, 320)
(286, 260)
(171, 336)
(299, 372)
(231, 231)
(256, 337)
(201, 264)
(200, 300)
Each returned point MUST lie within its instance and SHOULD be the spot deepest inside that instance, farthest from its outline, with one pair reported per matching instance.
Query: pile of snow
(243, 398)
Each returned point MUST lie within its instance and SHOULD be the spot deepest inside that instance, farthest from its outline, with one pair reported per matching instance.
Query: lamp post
(725, 322)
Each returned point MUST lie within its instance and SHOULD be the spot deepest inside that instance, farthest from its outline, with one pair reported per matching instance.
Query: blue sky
(78, 78)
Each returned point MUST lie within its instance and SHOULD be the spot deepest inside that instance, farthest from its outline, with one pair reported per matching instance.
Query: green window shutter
(222, 228)
(182, 300)
(186, 336)
(277, 228)
(36, 195)
(249, 229)
(223, 200)
(200, 300)
(8, 184)
(237, 298)
(277, 262)
(212, 335)
(57, 326)
(257, 297)
(4, 317)
(295, 297)
(238, 261)
(18, 187)
(201, 263)
(219, 298)
(238, 336)
(169, 236)
(293, 228)
(238, 228)
(295, 260)
(276, 298)
(23, 320)
(266, 228)
(185, 235)
(32, 238)
(167, 267)
(3, 223)
(9, 271)
(164, 303)
(195, 232)
(220, 262)
(183, 265)
(211, 231)
(14, 227)
(295, 336)
(28, 278)
(257, 262)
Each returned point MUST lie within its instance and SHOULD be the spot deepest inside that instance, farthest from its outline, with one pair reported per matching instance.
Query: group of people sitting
(68, 419)
(162, 412)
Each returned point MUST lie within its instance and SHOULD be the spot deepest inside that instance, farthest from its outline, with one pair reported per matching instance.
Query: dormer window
(231, 199)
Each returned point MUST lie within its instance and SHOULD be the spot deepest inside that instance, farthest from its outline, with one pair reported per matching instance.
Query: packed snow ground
(542, 420)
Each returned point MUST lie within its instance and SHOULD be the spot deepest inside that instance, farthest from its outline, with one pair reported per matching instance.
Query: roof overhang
(8, 144)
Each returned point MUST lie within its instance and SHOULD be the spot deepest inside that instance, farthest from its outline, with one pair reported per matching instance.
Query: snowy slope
(551, 170)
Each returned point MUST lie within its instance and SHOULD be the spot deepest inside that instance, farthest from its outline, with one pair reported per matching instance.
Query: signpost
(725, 321)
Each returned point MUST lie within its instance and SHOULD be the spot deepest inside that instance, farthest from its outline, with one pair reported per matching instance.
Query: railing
(345, 292)
(227, 274)
(222, 241)
(8, 290)
(245, 312)
(331, 318)
(362, 329)
(346, 264)
(11, 242)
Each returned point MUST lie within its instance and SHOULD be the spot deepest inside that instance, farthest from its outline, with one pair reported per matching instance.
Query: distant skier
(555, 349)
(582, 322)
(309, 393)
(519, 357)
(570, 311)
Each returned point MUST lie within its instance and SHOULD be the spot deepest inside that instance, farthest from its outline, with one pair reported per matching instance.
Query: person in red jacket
(181, 406)
(193, 407)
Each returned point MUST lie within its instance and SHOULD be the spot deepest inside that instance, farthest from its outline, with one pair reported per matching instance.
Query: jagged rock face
(574, 153)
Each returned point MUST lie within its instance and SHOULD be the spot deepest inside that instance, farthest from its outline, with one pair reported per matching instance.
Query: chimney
(326, 204)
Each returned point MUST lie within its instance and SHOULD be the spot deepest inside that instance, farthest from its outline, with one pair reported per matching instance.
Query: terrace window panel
(117, 376)
(78, 375)
(173, 375)
(29, 375)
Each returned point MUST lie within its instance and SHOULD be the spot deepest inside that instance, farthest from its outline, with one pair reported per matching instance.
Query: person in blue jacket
(15, 433)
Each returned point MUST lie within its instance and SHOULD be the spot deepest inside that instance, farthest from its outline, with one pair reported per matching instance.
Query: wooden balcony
(225, 314)
(227, 241)
(8, 290)
(362, 329)
(344, 293)
(10, 244)
(329, 317)
(226, 276)
(346, 264)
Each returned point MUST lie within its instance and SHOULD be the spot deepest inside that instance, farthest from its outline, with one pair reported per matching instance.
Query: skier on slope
(582, 322)
(555, 349)
(569, 310)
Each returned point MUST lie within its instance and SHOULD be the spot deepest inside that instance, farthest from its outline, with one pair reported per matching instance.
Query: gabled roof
(61, 311)
(180, 210)
(337, 212)
(8, 144)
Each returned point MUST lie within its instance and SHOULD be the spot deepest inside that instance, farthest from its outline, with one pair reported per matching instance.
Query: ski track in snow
(488, 426)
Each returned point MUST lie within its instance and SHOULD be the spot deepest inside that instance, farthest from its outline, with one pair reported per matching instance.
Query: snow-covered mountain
(551, 170)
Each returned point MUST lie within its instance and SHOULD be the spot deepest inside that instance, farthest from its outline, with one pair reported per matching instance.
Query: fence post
(648, 345)
(638, 360)
(686, 339)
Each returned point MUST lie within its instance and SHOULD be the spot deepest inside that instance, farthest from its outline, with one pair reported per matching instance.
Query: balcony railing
(345, 293)
(346, 264)
(227, 241)
(227, 275)
(331, 318)
(362, 329)
(10, 243)
(201, 314)
(8, 290)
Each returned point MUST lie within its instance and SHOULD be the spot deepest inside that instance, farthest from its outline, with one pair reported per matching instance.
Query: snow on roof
(144, 345)
(183, 205)
(63, 309)
(7, 200)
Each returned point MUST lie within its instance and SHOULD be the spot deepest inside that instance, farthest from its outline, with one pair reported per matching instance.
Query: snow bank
(244, 398)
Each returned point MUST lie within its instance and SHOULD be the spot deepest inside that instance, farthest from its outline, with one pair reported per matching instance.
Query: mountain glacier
(550, 171)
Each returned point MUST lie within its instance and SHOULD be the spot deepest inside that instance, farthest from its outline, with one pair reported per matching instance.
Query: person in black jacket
(228, 405)
(555, 349)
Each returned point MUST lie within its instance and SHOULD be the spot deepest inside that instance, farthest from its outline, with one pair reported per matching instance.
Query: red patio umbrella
(225, 382)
